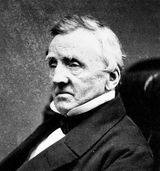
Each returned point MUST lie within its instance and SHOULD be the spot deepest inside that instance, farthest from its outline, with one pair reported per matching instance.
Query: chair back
(140, 91)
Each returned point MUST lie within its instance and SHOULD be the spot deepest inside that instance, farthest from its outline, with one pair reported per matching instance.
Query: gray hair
(111, 50)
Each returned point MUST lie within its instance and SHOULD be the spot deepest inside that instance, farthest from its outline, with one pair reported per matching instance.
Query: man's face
(75, 69)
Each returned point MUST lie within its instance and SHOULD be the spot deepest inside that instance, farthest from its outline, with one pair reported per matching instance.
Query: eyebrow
(48, 57)
(65, 58)
(46, 52)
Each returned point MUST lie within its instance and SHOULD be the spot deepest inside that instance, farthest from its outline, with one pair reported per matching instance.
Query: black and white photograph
(79, 85)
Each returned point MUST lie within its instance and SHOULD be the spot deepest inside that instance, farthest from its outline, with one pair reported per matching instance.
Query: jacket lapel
(80, 139)
(103, 118)
(52, 158)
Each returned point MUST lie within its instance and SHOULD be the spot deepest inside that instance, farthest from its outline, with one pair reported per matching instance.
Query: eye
(52, 63)
(75, 66)
(73, 63)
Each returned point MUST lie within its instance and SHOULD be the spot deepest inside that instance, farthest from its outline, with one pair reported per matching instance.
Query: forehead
(77, 43)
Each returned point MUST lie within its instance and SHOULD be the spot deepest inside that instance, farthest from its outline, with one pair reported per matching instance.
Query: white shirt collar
(89, 105)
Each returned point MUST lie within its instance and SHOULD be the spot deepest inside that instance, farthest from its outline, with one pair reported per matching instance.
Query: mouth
(63, 93)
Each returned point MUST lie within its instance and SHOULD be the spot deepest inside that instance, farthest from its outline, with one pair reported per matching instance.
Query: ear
(113, 79)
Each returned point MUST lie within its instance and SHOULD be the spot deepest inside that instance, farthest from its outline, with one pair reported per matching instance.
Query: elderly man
(88, 129)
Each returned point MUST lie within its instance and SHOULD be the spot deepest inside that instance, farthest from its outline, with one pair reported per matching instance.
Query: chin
(63, 109)
(63, 105)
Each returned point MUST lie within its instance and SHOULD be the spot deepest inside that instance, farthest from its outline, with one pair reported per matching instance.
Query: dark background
(24, 36)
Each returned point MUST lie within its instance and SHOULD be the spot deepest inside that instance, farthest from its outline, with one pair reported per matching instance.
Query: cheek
(92, 84)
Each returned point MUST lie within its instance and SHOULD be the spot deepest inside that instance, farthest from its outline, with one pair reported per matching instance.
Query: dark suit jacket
(106, 139)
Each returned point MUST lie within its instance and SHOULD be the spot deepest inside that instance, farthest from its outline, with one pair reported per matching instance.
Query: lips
(63, 93)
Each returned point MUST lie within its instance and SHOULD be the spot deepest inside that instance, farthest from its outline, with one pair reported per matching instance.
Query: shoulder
(128, 134)
(127, 148)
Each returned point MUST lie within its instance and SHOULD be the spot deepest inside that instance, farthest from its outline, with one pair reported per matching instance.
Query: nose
(60, 74)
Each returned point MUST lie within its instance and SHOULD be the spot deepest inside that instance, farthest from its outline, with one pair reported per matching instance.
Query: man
(88, 129)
